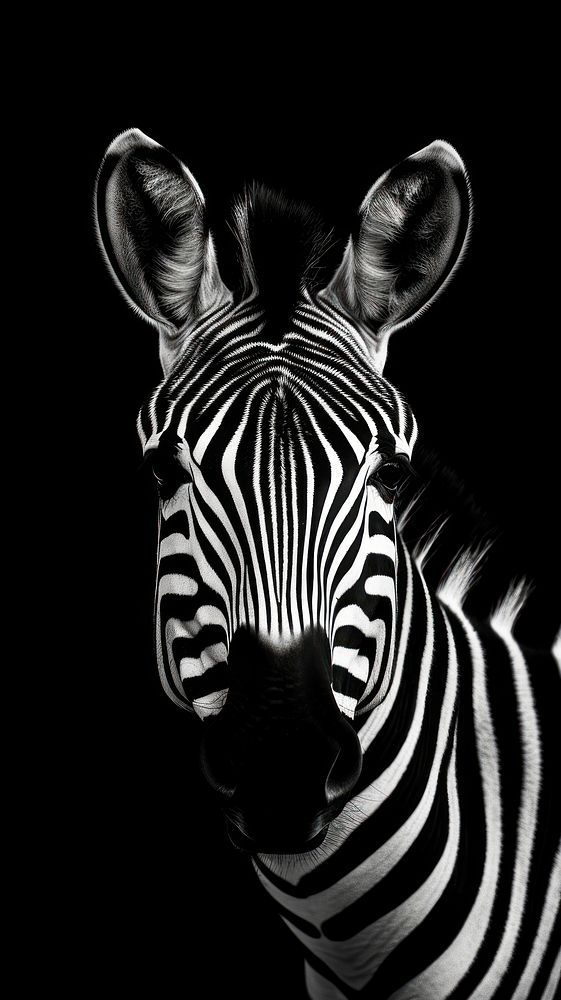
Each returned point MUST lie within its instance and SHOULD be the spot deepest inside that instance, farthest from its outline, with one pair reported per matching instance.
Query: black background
(149, 893)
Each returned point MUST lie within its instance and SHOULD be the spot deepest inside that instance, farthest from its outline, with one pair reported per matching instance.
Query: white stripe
(543, 933)
(550, 992)
(266, 588)
(208, 434)
(295, 613)
(348, 659)
(440, 978)
(380, 586)
(229, 474)
(174, 544)
(376, 866)
(367, 803)
(527, 818)
(360, 523)
(374, 941)
(191, 666)
(177, 584)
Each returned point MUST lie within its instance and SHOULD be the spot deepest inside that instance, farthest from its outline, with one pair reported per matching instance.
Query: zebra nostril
(346, 768)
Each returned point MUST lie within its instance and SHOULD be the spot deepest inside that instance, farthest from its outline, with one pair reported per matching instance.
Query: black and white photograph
(308, 706)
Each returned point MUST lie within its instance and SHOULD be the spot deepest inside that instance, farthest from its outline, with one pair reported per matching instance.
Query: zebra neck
(409, 740)
(422, 696)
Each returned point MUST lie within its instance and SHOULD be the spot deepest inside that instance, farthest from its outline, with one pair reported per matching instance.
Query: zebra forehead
(285, 413)
(317, 372)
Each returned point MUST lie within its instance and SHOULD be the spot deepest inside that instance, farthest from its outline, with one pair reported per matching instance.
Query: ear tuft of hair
(283, 248)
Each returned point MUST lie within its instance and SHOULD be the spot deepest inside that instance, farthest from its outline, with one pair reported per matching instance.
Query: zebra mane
(282, 247)
(436, 516)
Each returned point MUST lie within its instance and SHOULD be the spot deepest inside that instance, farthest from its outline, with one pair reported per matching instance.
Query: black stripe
(546, 685)
(222, 532)
(407, 875)
(179, 563)
(433, 936)
(502, 700)
(182, 378)
(375, 830)
(546, 965)
(177, 523)
(316, 963)
(193, 646)
(388, 741)
(297, 921)
(345, 683)
(214, 679)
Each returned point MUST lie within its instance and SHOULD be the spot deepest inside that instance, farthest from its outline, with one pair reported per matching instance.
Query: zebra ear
(152, 230)
(412, 230)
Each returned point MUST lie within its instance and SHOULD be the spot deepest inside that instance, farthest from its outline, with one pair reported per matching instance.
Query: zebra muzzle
(280, 756)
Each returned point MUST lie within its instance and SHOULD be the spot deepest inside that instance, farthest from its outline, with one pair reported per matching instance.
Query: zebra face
(278, 448)
(277, 466)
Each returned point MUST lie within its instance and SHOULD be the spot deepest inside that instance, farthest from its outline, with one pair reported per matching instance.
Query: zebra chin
(275, 844)
(280, 757)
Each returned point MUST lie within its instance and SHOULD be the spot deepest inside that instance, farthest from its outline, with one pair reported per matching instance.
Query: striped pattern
(274, 526)
(441, 878)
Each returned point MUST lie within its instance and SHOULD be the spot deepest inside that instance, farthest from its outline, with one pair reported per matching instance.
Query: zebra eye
(169, 475)
(387, 478)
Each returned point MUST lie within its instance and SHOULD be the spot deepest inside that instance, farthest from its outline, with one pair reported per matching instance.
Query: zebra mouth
(272, 845)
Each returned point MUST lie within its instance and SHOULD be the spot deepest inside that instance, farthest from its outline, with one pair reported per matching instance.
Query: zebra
(386, 759)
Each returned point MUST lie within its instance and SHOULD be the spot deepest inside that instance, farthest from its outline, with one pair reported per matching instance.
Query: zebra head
(278, 448)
